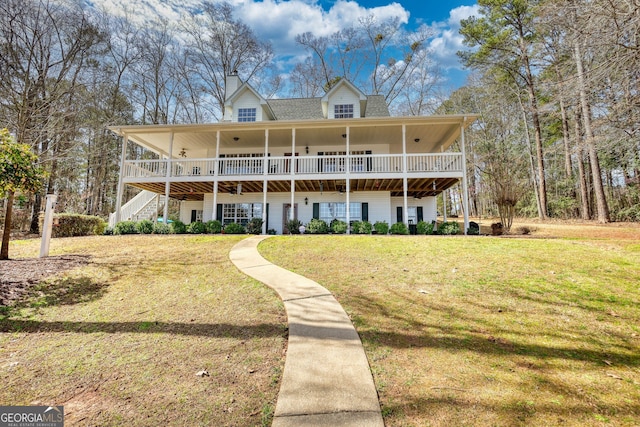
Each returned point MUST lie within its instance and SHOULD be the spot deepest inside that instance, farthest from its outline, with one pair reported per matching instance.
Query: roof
(376, 106)
(311, 108)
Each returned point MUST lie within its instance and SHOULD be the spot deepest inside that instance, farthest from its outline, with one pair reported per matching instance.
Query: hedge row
(71, 225)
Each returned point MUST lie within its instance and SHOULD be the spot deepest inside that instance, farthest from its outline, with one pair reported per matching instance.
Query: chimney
(232, 83)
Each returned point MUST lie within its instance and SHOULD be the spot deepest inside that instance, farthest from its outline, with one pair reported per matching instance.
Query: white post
(48, 223)
(292, 215)
(348, 180)
(465, 188)
(265, 171)
(405, 181)
(125, 141)
(167, 183)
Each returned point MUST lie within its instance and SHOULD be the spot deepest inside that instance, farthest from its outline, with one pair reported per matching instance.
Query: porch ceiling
(417, 187)
(423, 134)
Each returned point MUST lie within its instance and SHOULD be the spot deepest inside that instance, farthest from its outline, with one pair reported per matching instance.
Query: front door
(286, 216)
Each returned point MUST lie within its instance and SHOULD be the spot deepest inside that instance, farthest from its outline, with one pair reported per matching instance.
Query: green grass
(119, 341)
(488, 331)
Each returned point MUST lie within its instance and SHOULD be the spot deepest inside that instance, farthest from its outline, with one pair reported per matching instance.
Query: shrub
(70, 225)
(361, 227)
(338, 226)
(108, 231)
(272, 232)
(255, 226)
(293, 226)
(317, 226)
(424, 227)
(197, 227)
(381, 227)
(161, 228)
(233, 228)
(474, 229)
(448, 228)
(399, 228)
(178, 227)
(145, 226)
(125, 227)
(213, 226)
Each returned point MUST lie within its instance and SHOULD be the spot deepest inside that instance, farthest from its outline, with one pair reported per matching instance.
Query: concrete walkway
(326, 379)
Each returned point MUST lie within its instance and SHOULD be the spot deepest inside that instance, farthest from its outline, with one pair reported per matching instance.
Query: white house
(339, 156)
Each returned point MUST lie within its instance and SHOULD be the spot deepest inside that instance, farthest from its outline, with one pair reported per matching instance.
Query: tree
(18, 172)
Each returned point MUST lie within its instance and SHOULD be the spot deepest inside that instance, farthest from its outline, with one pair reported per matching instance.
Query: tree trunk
(6, 235)
(601, 201)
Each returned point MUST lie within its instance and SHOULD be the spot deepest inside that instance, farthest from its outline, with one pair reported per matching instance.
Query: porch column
(265, 171)
(123, 155)
(465, 188)
(167, 184)
(348, 180)
(292, 172)
(216, 173)
(405, 181)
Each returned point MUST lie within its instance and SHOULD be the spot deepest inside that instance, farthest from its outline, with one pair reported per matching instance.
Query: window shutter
(365, 211)
(193, 215)
(420, 214)
(316, 211)
(219, 212)
(320, 161)
(399, 214)
(266, 213)
(369, 161)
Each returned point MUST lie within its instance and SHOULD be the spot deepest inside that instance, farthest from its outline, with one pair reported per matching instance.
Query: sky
(279, 21)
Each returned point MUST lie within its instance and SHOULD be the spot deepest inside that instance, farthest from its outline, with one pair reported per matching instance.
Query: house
(337, 156)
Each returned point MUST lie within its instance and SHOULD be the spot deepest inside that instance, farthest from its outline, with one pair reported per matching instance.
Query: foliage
(255, 226)
(381, 227)
(338, 226)
(293, 226)
(144, 226)
(70, 225)
(125, 227)
(361, 227)
(213, 226)
(399, 228)
(178, 227)
(197, 227)
(108, 231)
(424, 227)
(161, 228)
(448, 228)
(317, 226)
(234, 228)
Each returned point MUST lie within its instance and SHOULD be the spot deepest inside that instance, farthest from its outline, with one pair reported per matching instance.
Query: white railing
(305, 165)
(133, 206)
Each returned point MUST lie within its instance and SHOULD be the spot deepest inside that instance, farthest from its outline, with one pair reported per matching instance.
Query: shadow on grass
(262, 330)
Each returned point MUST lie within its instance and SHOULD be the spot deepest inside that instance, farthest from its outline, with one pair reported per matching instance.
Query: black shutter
(316, 211)
(365, 211)
(219, 212)
(193, 215)
(266, 213)
(399, 214)
(320, 161)
(420, 214)
(369, 161)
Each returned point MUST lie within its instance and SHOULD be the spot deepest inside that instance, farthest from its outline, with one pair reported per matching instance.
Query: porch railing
(302, 165)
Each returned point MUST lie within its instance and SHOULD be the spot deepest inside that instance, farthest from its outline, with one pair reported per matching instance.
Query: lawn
(119, 341)
(490, 331)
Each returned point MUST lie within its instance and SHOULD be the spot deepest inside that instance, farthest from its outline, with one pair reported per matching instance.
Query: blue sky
(279, 21)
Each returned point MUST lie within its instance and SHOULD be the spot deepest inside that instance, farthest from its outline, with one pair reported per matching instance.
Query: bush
(108, 231)
(161, 228)
(178, 227)
(213, 226)
(448, 228)
(233, 228)
(125, 227)
(381, 227)
(361, 227)
(338, 226)
(255, 226)
(272, 232)
(474, 229)
(145, 226)
(317, 226)
(424, 227)
(293, 226)
(70, 225)
(197, 227)
(399, 228)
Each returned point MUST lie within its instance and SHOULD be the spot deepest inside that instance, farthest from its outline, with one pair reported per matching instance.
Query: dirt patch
(19, 276)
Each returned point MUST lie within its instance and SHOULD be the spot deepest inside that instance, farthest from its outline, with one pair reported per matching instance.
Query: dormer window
(246, 114)
(343, 111)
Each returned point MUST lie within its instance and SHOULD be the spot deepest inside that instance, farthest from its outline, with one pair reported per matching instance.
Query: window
(240, 213)
(412, 214)
(246, 114)
(343, 111)
(331, 211)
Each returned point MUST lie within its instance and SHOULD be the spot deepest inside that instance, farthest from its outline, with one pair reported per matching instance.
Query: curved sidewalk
(326, 379)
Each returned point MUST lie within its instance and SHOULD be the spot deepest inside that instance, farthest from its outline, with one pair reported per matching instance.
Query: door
(286, 216)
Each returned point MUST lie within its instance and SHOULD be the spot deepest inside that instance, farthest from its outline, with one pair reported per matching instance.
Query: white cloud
(448, 40)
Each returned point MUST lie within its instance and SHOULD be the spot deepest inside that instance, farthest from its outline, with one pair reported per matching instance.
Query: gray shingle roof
(376, 106)
(311, 108)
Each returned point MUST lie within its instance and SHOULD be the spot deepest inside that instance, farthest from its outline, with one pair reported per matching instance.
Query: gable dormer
(244, 104)
(344, 101)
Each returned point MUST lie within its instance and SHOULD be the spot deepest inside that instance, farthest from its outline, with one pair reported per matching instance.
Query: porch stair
(145, 205)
